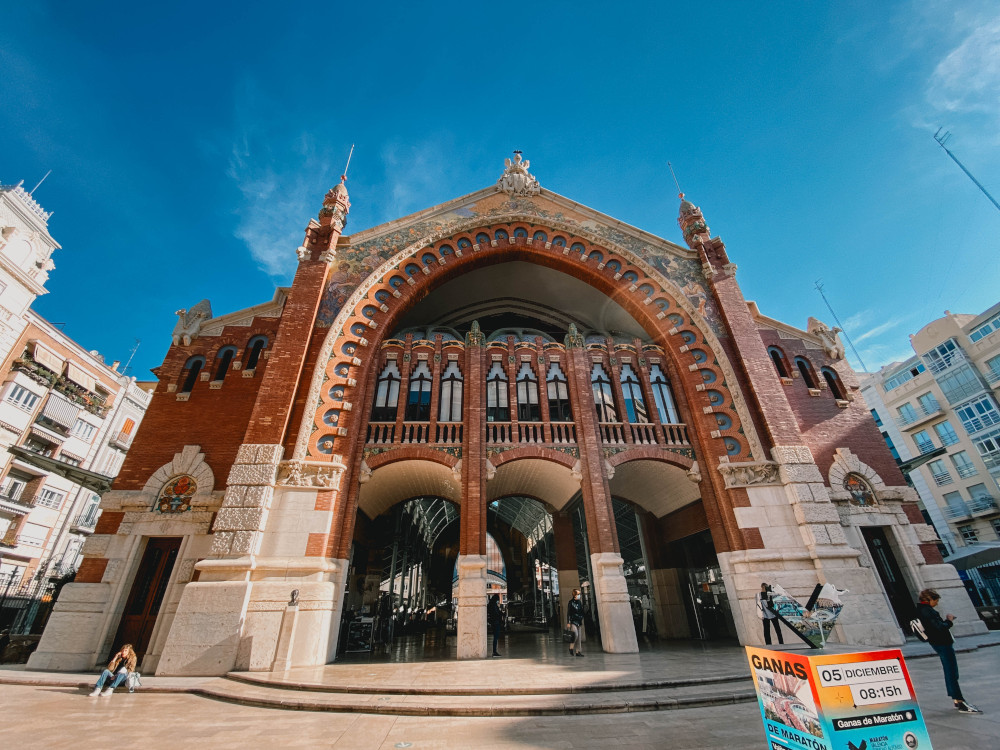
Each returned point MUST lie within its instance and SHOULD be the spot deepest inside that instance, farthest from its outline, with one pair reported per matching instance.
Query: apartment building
(66, 419)
(938, 410)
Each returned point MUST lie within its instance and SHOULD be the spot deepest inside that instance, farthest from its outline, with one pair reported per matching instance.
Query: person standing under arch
(574, 621)
(495, 618)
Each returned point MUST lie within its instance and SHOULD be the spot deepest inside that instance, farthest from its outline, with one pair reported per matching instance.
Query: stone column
(566, 563)
(610, 589)
(472, 642)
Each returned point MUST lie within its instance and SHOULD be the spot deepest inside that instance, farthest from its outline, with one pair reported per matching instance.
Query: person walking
(938, 630)
(495, 618)
(119, 667)
(574, 618)
(765, 611)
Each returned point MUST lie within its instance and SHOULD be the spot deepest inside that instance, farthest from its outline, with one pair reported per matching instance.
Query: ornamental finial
(515, 180)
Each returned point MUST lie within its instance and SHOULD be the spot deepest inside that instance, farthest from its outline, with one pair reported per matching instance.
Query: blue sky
(190, 143)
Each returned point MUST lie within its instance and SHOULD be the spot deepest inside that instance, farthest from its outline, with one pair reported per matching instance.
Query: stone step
(465, 703)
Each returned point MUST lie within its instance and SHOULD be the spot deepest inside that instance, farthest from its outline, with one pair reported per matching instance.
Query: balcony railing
(946, 361)
(26, 540)
(956, 512)
(992, 377)
(923, 411)
(992, 460)
(16, 504)
(964, 472)
(925, 446)
(983, 505)
(86, 521)
(958, 394)
(942, 479)
(122, 440)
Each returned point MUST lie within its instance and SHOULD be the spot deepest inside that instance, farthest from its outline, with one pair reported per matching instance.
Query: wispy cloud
(967, 80)
(281, 175)
(415, 174)
(878, 330)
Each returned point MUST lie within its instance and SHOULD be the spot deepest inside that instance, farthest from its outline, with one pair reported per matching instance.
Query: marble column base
(472, 643)
(613, 607)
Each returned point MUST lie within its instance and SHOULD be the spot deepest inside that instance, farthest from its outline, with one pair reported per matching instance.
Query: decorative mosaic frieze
(297, 473)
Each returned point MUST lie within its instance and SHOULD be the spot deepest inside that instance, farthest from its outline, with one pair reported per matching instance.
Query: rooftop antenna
(941, 140)
(32, 192)
(819, 288)
(135, 348)
(343, 177)
(670, 166)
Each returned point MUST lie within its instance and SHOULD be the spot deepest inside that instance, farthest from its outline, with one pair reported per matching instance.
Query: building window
(928, 404)
(946, 433)
(892, 448)
(193, 368)
(451, 394)
(127, 426)
(225, 358)
(528, 408)
(71, 460)
(635, 404)
(418, 399)
(387, 394)
(603, 398)
(84, 430)
(833, 383)
(877, 418)
(558, 392)
(255, 346)
(960, 385)
(903, 377)
(49, 498)
(805, 370)
(12, 487)
(985, 329)
(663, 397)
(907, 414)
(968, 534)
(778, 358)
(923, 441)
(978, 415)
(995, 523)
(964, 465)
(940, 473)
(994, 364)
(497, 408)
(22, 397)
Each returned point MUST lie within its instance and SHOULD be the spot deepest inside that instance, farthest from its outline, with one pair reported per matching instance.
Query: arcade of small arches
(804, 369)
(214, 366)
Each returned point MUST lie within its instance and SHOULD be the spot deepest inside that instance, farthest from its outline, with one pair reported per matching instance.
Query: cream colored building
(941, 405)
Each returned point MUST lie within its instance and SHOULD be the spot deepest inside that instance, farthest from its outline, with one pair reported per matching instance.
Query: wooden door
(891, 576)
(146, 596)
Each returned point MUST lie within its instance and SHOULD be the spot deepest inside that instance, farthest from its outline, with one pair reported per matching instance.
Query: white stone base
(72, 638)
(613, 607)
(472, 635)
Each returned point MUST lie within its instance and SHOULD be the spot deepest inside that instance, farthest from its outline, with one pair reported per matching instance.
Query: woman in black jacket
(574, 622)
(939, 636)
(495, 618)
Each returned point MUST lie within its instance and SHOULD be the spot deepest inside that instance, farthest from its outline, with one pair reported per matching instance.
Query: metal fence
(25, 606)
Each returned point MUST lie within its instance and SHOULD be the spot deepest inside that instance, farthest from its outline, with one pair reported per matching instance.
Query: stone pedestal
(72, 638)
(286, 638)
(613, 607)
(472, 636)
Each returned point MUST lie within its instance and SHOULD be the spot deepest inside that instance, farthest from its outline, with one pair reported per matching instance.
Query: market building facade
(509, 370)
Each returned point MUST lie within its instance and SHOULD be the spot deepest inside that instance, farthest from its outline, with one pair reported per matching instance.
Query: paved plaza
(60, 715)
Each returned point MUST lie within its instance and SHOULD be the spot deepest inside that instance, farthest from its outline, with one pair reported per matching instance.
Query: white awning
(60, 410)
(49, 359)
(80, 376)
(974, 555)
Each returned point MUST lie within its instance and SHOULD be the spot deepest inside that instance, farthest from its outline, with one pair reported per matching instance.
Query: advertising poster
(859, 701)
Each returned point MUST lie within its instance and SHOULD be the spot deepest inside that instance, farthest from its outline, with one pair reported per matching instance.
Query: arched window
(635, 404)
(193, 367)
(834, 382)
(387, 393)
(603, 398)
(778, 357)
(255, 346)
(663, 396)
(451, 394)
(225, 359)
(558, 390)
(497, 409)
(418, 401)
(805, 370)
(528, 409)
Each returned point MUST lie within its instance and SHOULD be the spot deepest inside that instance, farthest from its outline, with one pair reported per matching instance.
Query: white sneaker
(107, 692)
(96, 692)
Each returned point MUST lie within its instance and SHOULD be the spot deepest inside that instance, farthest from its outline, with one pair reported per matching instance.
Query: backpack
(917, 627)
